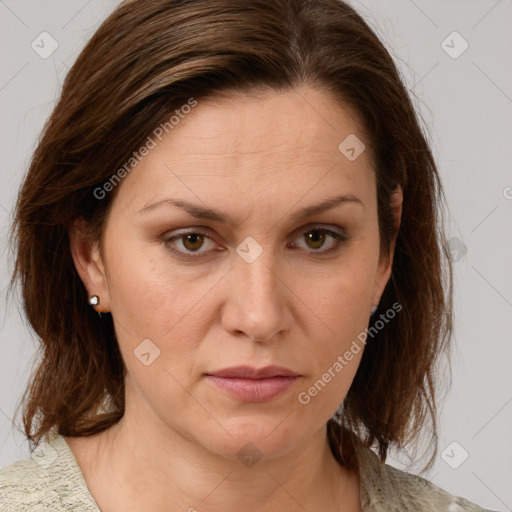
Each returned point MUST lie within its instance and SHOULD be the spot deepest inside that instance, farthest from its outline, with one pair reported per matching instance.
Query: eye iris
(318, 239)
(196, 241)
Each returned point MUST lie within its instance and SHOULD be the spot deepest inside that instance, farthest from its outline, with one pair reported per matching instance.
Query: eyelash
(340, 241)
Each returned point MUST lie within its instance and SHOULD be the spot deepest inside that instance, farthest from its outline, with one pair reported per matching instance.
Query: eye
(315, 238)
(191, 242)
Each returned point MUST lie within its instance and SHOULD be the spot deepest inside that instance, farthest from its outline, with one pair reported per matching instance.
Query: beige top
(51, 481)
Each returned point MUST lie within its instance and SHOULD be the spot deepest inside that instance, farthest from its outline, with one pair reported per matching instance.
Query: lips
(253, 385)
(248, 372)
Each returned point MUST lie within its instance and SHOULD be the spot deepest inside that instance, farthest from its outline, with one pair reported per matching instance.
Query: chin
(251, 439)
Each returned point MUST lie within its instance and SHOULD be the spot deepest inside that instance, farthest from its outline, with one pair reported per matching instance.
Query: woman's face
(256, 282)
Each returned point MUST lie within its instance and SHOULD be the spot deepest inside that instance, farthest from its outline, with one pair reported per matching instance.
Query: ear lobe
(88, 263)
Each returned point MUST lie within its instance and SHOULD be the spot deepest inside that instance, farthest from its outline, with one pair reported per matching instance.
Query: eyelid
(337, 233)
(196, 231)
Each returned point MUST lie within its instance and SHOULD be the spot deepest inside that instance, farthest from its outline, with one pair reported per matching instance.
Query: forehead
(304, 120)
(259, 144)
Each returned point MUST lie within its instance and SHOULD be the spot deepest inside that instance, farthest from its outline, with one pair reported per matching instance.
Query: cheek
(159, 311)
(342, 304)
(335, 365)
(342, 299)
(148, 290)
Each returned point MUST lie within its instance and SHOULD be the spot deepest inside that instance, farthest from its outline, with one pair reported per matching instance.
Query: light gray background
(466, 103)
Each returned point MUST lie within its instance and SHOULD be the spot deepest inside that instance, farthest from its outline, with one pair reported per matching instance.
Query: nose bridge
(261, 308)
(259, 280)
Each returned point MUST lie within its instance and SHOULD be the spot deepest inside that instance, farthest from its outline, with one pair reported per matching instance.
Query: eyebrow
(199, 212)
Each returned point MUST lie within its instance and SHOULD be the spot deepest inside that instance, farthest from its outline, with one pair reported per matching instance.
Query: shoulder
(386, 488)
(48, 481)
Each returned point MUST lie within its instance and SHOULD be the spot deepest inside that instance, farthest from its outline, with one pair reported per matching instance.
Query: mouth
(254, 385)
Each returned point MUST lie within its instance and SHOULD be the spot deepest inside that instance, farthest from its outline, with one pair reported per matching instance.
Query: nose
(258, 302)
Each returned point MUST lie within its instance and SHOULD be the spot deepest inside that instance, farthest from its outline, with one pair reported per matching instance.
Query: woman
(228, 244)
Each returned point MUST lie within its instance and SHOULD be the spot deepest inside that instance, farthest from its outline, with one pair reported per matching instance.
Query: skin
(258, 159)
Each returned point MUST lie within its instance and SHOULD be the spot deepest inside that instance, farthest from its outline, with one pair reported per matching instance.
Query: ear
(89, 264)
(386, 263)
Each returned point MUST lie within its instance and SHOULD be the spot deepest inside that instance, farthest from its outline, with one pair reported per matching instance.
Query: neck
(139, 464)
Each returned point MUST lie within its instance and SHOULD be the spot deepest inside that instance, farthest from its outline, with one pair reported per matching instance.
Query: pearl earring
(94, 300)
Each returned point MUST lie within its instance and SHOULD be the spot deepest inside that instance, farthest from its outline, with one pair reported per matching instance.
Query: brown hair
(147, 59)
